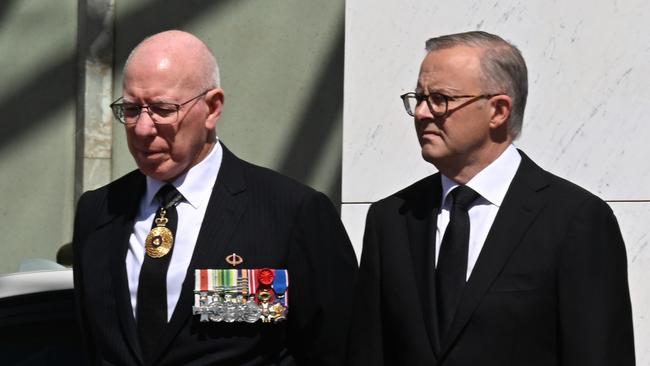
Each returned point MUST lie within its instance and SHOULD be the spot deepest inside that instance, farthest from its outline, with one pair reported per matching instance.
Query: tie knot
(167, 194)
(464, 196)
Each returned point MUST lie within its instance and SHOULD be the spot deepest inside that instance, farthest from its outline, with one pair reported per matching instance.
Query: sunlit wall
(586, 117)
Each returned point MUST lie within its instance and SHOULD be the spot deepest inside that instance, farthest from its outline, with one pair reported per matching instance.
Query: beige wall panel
(37, 69)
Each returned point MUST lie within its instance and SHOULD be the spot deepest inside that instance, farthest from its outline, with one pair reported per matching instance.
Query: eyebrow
(420, 90)
(439, 90)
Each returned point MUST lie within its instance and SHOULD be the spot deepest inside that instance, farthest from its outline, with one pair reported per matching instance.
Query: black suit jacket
(270, 221)
(549, 286)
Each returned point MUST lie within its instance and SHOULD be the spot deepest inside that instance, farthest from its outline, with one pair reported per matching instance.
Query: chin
(432, 154)
(429, 159)
(156, 171)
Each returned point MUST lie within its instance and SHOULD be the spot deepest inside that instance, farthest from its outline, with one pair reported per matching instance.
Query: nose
(422, 111)
(144, 126)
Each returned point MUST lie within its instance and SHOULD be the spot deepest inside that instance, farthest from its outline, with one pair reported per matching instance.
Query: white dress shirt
(196, 187)
(491, 183)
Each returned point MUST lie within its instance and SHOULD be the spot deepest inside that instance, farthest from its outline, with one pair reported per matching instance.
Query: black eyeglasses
(160, 113)
(438, 103)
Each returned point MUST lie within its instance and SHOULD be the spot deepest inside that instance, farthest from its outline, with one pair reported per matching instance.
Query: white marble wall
(586, 118)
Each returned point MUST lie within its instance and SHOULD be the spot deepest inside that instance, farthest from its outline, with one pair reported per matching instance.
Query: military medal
(278, 312)
(280, 285)
(265, 277)
(241, 295)
(203, 284)
(251, 312)
(230, 284)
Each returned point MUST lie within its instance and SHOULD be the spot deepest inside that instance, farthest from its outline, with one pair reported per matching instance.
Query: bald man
(193, 205)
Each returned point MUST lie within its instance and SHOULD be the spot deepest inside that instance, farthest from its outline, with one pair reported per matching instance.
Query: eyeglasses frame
(421, 97)
(177, 106)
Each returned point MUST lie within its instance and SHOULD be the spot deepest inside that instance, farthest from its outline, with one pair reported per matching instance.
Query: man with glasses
(491, 261)
(198, 257)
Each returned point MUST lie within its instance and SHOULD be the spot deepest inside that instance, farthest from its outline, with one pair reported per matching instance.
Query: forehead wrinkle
(425, 84)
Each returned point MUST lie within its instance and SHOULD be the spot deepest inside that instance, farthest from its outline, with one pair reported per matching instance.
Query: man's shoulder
(125, 188)
(259, 179)
(124, 184)
(275, 191)
(560, 188)
(420, 194)
(268, 179)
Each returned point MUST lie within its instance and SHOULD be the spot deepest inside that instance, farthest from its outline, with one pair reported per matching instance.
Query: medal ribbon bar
(241, 295)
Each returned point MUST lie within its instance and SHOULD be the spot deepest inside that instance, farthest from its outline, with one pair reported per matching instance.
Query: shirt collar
(493, 181)
(192, 185)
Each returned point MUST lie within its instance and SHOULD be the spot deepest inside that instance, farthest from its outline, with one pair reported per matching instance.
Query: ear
(501, 106)
(214, 98)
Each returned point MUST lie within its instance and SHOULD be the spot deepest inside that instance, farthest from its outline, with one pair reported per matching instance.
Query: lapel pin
(234, 260)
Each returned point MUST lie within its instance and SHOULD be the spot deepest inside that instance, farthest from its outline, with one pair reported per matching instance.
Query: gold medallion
(160, 239)
(159, 242)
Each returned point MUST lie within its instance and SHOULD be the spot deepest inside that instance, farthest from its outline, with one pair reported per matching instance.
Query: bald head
(179, 52)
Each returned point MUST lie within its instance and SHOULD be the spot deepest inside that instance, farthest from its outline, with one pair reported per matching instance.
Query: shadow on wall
(3, 9)
(316, 124)
(51, 89)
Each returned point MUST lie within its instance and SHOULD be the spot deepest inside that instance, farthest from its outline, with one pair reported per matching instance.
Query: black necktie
(452, 260)
(152, 287)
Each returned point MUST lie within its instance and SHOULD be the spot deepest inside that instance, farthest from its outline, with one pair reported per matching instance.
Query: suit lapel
(225, 208)
(124, 202)
(227, 204)
(521, 205)
(421, 226)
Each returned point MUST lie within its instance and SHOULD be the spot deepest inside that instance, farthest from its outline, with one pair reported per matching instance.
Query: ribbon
(280, 285)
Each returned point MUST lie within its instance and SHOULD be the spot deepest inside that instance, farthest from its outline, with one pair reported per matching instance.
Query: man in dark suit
(491, 261)
(227, 213)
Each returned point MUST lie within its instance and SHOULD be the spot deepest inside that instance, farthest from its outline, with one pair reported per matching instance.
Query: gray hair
(503, 69)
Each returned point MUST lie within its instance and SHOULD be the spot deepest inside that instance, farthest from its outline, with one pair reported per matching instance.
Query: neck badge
(160, 239)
